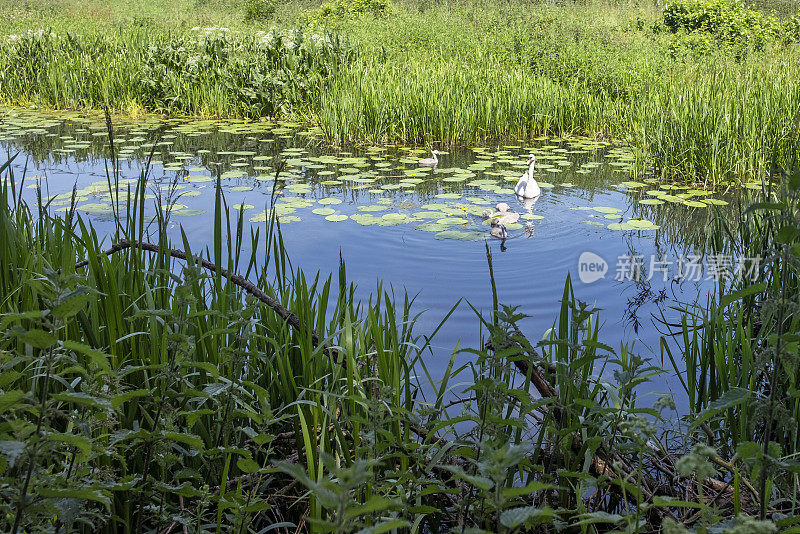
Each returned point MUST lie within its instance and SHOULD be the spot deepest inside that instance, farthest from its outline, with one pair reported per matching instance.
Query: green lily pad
(187, 212)
(324, 211)
(461, 236)
(365, 219)
(337, 217)
(96, 209)
(451, 221)
(431, 227)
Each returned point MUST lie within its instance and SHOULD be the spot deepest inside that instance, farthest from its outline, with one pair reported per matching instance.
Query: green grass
(441, 73)
(140, 390)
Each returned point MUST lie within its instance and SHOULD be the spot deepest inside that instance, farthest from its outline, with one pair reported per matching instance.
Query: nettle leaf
(83, 399)
(74, 440)
(376, 503)
(478, 481)
(72, 302)
(14, 317)
(98, 357)
(247, 465)
(392, 524)
(9, 399)
(187, 489)
(749, 449)
(193, 415)
(122, 398)
(187, 439)
(517, 516)
(38, 338)
(736, 295)
(12, 450)
(527, 490)
(731, 398)
(600, 517)
(76, 493)
(9, 376)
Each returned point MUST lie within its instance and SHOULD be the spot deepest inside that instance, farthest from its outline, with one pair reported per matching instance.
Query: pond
(415, 228)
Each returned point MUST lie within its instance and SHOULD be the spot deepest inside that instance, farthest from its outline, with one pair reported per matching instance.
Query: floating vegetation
(383, 185)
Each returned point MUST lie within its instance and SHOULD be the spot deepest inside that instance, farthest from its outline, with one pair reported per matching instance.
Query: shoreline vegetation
(146, 390)
(150, 386)
(706, 91)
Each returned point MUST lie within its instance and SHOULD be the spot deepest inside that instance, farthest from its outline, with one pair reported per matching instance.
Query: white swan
(430, 162)
(527, 186)
(503, 216)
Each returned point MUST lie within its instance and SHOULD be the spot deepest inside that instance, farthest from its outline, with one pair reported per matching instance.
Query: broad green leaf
(746, 292)
(9, 399)
(76, 493)
(12, 450)
(187, 439)
(515, 517)
(247, 465)
(98, 357)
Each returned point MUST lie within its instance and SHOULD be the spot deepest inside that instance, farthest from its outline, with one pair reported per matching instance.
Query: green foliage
(454, 73)
(266, 74)
(728, 22)
(258, 10)
(139, 391)
(338, 10)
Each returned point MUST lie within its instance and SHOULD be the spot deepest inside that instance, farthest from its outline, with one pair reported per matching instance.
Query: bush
(729, 21)
(351, 9)
(258, 10)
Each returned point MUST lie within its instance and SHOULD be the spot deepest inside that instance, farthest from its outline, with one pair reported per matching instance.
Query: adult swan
(527, 186)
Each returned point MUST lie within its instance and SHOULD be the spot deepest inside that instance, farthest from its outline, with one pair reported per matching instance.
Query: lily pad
(431, 227)
(606, 209)
(337, 217)
(187, 212)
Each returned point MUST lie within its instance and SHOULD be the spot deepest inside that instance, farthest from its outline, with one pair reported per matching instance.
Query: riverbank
(699, 106)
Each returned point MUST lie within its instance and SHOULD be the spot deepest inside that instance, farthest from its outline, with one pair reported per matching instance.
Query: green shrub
(729, 21)
(351, 9)
(258, 10)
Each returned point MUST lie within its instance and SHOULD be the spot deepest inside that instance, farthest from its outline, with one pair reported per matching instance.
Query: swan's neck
(435, 157)
(530, 171)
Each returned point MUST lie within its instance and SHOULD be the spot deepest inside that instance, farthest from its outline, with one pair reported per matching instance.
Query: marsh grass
(144, 392)
(440, 73)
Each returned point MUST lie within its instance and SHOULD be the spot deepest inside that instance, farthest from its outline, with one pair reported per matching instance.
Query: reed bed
(698, 109)
(154, 387)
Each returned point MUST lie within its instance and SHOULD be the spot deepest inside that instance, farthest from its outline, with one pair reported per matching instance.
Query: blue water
(530, 267)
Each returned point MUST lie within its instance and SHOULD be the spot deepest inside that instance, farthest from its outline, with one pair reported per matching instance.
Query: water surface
(417, 229)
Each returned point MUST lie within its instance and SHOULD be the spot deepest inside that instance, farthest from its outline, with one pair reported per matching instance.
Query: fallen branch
(286, 314)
